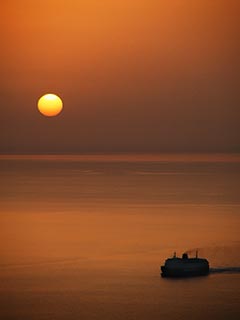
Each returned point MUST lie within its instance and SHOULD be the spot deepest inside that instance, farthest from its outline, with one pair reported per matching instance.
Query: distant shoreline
(129, 157)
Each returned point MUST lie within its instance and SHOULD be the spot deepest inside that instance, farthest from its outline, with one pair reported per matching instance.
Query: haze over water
(83, 237)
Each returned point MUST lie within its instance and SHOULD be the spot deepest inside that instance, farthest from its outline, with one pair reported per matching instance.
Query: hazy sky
(134, 75)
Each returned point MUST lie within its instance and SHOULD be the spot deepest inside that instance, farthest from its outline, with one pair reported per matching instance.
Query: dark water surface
(84, 238)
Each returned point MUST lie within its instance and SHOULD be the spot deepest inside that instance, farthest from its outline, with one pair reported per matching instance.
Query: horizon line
(128, 156)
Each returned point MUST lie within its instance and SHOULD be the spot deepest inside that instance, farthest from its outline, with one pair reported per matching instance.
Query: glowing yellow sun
(50, 105)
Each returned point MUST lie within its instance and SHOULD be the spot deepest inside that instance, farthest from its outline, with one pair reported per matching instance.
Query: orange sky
(135, 75)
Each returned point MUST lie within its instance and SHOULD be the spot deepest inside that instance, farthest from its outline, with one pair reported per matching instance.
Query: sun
(50, 105)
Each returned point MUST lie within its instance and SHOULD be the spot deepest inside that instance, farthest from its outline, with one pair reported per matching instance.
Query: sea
(84, 236)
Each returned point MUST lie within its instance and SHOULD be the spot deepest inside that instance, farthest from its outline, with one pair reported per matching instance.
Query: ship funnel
(185, 256)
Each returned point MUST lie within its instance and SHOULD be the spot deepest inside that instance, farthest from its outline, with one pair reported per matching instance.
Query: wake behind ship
(185, 266)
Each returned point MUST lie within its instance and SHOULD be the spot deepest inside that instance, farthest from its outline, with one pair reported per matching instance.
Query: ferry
(185, 267)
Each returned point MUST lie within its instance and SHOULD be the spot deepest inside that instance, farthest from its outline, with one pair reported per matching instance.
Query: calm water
(84, 238)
